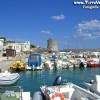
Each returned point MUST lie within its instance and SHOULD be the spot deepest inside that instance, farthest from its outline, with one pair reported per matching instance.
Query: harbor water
(32, 80)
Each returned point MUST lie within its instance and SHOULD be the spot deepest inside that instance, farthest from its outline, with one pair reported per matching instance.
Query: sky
(72, 25)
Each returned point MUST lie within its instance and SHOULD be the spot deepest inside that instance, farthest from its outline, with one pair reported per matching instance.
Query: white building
(20, 47)
(2, 42)
(25, 46)
(96, 54)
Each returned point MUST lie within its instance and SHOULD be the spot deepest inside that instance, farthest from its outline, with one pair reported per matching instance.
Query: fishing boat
(59, 64)
(66, 64)
(80, 63)
(93, 85)
(14, 93)
(34, 62)
(18, 65)
(68, 91)
(8, 78)
(48, 64)
(92, 63)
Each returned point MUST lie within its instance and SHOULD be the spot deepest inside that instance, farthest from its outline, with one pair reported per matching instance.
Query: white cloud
(46, 32)
(88, 29)
(58, 17)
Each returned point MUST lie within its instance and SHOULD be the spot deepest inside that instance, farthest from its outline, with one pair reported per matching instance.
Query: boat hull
(18, 66)
(34, 68)
(18, 69)
(93, 65)
(68, 91)
(8, 79)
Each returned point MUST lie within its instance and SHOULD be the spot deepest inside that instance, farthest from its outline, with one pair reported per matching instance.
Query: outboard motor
(57, 81)
(91, 81)
(81, 65)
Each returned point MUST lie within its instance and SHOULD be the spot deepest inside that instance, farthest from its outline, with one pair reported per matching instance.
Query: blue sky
(37, 20)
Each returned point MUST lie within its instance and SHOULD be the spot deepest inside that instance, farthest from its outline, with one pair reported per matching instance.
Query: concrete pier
(6, 63)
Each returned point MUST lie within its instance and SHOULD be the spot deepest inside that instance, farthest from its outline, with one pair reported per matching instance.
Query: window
(34, 58)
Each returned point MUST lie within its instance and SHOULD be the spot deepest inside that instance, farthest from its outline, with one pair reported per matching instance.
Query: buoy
(60, 95)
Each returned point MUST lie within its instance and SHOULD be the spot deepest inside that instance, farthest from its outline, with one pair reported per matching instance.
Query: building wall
(17, 47)
(52, 45)
(26, 46)
(1, 42)
(20, 47)
(3, 49)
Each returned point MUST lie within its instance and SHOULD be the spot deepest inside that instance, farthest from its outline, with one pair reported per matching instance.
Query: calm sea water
(32, 80)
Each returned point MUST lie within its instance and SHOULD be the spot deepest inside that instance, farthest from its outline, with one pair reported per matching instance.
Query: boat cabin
(34, 60)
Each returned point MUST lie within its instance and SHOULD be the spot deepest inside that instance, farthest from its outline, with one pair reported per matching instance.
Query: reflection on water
(32, 80)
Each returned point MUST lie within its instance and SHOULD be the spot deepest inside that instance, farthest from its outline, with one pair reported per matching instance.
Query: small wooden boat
(8, 78)
(18, 65)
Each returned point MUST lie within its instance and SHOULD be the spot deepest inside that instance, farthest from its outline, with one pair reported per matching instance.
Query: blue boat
(54, 57)
(35, 62)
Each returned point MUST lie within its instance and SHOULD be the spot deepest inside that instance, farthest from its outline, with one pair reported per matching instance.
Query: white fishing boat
(68, 91)
(8, 78)
(66, 64)
(80, 63)
(49, 64)
(59, 64)
(13, 93)
(94, 85)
